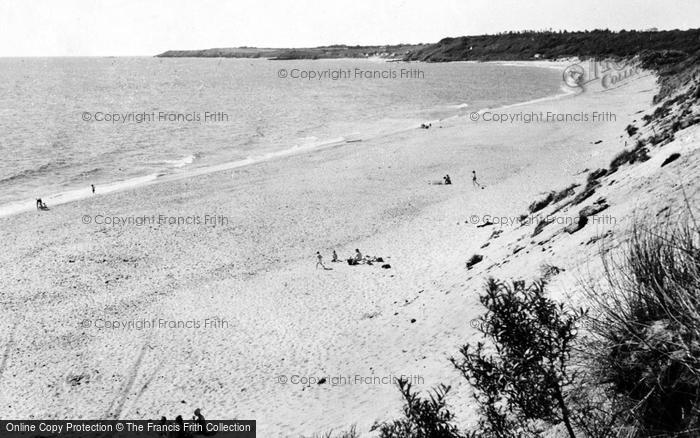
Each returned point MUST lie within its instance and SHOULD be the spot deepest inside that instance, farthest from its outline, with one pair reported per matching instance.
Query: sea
(69, 123)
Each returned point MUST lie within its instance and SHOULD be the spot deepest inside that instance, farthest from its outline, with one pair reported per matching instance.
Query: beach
(212, 287)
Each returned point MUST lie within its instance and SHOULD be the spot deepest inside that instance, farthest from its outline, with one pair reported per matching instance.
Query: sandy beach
(263, 323)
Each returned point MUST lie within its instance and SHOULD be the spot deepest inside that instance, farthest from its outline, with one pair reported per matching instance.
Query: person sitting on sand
(447, 179)
(335, 257)
(38, 203)
(358, 256)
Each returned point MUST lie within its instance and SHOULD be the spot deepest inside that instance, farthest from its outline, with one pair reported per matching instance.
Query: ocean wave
(188, 159)
(458, 106)
(37, 171)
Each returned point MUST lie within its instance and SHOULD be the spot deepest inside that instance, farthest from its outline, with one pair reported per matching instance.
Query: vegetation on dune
(646, 323)
(635, 373)
(630, 156)
(523, 378)
(423, 418)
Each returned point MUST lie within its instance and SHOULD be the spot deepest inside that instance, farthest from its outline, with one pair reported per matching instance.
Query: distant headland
(398, 52)
(508, 46)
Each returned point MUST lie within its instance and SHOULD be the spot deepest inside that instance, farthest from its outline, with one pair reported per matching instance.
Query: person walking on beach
(93, 188)
(474, 181)
(335, 257)
(320, 260)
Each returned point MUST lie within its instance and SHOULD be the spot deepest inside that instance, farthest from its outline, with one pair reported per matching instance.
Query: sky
(148, 27)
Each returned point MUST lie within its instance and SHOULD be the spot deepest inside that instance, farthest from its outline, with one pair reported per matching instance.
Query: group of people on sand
(357, 259)
(446, 180)
(167, 431)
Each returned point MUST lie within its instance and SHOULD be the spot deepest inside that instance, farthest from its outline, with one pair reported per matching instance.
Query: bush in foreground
(523, 381)
(423, 418)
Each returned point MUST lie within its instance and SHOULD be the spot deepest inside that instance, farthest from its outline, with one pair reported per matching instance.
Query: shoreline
(77, 194)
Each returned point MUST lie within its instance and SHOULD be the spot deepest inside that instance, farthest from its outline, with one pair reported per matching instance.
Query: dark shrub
(423, 418)
(639, 153)
(588, 191)
(541, 203)
(596, 174)
(473, 260)
(523, 381)
(624, 157)
(565, 193)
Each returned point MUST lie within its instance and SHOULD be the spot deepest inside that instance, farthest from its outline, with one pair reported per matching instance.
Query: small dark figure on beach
(93, 188)
(39, 203)
(335, 257)
(358, 256)
(320, 260)
(199, 418)
(181, 433)
(474, 181)
(447, 179)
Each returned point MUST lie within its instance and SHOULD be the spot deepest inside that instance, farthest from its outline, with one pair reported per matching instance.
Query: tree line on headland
(508, 46)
